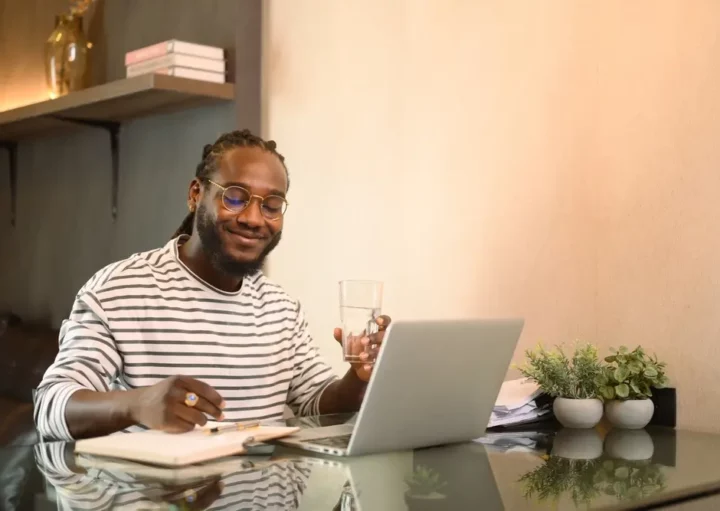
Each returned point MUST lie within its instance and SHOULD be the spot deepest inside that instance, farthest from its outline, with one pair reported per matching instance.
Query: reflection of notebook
(172, 450)
(169, 475)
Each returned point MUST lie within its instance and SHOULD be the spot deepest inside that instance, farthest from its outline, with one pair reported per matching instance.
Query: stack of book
(178, 58)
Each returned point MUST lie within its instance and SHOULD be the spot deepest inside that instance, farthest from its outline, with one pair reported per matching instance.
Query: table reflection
(441, 478)
(452, 477)
(565, 469)
(591, 470)
(96, 483)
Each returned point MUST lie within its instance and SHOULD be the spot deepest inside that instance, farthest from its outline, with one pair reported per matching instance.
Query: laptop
(434, 383)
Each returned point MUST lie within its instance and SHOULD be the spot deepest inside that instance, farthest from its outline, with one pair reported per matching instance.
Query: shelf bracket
(113, 128)
(11, 148)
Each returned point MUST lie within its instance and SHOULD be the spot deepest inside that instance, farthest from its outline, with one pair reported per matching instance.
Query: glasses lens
(273, 207)
(236, 198)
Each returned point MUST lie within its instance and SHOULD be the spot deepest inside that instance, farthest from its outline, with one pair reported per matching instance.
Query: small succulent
(425, 481)
(631, 375)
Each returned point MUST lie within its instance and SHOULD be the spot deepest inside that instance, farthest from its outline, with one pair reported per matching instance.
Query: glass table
(544, 469)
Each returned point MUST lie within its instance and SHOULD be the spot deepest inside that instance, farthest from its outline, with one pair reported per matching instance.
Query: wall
(656, 182)
(426, 150)
(24, 27)
(554, 160)
(65, 232)
(580, 135)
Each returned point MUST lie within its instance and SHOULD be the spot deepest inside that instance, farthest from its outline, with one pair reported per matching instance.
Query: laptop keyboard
(340, 442)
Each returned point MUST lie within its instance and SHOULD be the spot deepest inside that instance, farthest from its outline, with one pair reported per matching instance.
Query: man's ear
(194, 194)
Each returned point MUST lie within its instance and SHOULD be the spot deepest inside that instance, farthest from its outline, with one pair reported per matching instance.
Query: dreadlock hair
(211, 159)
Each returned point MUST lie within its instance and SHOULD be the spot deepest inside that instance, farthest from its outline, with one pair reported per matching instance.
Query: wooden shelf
(116, 102)
(107, 107)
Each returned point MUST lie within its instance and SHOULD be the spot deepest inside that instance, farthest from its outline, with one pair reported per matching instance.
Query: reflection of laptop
(434, 383)
(438, 478)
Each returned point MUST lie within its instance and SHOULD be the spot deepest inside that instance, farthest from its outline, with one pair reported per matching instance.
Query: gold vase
(66, 56)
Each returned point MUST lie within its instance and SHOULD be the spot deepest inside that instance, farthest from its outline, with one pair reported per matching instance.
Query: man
(166, 338)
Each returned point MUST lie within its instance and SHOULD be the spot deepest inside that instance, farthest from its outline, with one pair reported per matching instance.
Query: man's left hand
(367, 347)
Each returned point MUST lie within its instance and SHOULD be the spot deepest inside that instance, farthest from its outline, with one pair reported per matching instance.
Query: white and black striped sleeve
(310, 372)
(87, 359)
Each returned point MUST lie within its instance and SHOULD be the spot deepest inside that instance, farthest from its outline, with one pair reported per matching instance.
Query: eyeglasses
(237, 198)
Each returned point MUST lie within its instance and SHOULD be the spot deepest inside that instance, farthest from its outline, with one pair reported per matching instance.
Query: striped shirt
(148, 317)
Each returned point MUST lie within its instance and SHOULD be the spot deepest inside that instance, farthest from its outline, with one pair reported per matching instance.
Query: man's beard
(212, 245)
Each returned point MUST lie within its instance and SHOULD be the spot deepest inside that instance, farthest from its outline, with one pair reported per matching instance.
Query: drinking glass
(360, 304)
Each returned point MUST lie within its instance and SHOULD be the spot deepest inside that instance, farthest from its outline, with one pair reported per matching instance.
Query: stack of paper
(518, 403)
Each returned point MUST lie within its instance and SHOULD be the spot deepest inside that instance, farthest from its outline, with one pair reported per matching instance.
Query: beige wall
(655, 163)
(581, 135)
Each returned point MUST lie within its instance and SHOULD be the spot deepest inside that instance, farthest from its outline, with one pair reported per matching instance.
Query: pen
(233, 427)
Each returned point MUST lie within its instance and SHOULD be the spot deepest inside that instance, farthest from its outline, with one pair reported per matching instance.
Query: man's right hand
(162, 406)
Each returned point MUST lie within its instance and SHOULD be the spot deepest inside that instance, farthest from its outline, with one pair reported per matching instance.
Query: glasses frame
(260, 197)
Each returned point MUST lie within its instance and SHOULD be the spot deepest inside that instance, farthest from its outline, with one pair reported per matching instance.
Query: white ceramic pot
(577, 444)
(578, 413)
(629, 444)
(630, 414)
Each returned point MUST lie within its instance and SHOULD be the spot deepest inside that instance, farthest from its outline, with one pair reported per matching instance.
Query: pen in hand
(233, 427)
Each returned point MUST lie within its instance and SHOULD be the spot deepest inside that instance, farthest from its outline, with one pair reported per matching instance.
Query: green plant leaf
(622, 472)
(607, 392)
(651, 372)
(635, 387)
(645, 389)
(635, 367)
(610, 359)
(662, 382)
(622, 390)
(621, 374)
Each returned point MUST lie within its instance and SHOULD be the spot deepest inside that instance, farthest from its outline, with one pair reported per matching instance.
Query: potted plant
(626, 385)
(573, 382)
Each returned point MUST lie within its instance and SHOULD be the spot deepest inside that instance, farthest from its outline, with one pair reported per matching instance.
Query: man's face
(237, 243)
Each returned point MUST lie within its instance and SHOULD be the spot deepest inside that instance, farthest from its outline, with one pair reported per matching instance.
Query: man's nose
(252, 215)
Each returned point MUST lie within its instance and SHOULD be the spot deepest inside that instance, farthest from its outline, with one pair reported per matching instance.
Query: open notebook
(174, 450)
